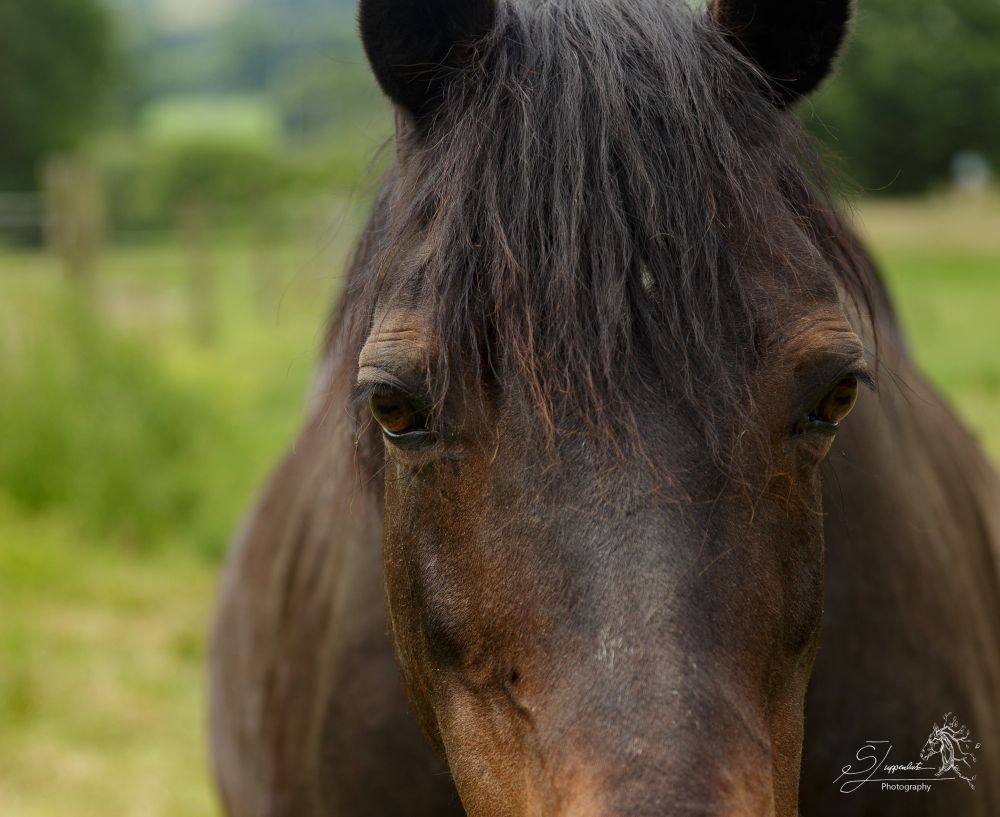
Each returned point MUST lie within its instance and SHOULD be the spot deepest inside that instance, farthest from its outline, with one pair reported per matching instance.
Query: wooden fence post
(202, 295)
(74, 217)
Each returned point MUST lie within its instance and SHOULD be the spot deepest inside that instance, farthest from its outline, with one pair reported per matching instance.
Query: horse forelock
(602, 205)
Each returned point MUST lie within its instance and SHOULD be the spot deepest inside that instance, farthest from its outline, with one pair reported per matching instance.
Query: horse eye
(827, 415)
(397, 414)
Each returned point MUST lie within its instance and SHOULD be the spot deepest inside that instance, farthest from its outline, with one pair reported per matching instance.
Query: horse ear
(411, 44)
(794, 42)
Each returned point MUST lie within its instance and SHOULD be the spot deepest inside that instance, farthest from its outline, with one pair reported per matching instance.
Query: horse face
(595, 624)
(929, 751)
(581, 639)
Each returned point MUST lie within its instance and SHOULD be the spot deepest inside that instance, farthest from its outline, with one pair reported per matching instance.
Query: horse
(954, 744)
(618, 491)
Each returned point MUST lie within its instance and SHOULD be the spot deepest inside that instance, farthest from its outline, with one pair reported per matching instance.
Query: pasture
(134, 431)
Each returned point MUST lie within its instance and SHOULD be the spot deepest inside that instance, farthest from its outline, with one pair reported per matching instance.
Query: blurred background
(180, 185)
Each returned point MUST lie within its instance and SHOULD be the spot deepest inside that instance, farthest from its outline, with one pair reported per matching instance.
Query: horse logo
(952, 742)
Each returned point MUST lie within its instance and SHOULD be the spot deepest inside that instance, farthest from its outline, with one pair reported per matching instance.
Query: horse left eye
(826, 416)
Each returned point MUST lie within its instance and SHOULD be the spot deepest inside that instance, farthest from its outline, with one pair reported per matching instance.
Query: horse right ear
(413, 45)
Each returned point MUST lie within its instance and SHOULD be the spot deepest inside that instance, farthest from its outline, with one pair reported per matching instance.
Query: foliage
(302, 54)
(918, 85)
(196, 152)
(55, 63)
(150, 185)
(89, 421)
(116, 417)
(213, 171)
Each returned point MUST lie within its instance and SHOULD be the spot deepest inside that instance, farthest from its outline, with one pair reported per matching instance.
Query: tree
(920, 83)
(55, 61)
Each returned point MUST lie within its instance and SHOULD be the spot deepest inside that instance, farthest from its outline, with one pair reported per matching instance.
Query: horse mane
(602, 203)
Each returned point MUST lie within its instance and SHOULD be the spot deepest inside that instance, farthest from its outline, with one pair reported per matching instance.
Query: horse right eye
(398, 415)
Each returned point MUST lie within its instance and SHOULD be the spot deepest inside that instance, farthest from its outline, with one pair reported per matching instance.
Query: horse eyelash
(361, 393)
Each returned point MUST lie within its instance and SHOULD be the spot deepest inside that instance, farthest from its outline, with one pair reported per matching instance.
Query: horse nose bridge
(631, 749)
(602, 743)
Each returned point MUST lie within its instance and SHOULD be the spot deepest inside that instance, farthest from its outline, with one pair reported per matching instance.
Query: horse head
(933, 745)
(610, 345)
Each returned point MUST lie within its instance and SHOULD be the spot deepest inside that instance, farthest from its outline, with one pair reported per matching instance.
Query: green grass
(131, 440)
(130, 443)
(101, 656)
(942, 261)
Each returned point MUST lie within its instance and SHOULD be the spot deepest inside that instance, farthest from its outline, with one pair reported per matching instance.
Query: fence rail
(21, 210)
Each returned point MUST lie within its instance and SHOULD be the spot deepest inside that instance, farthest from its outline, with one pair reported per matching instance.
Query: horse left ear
(412, 44)
(794, 42)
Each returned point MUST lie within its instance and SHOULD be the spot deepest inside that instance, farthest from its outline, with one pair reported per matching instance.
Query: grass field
(127, 454)
(941, 258)
(129, 446)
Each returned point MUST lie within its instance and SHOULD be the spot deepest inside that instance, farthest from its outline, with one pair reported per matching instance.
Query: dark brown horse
(573, 527)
